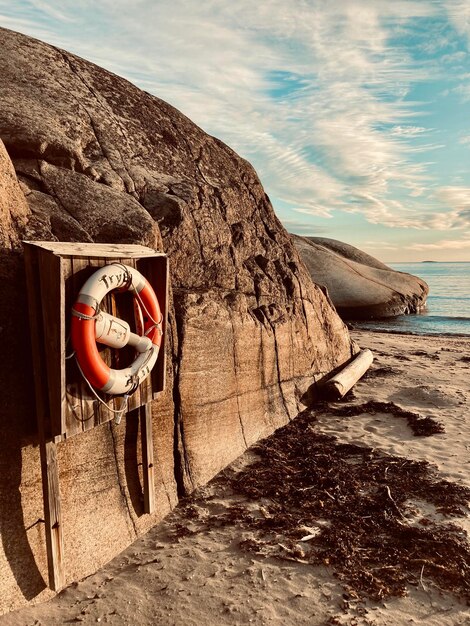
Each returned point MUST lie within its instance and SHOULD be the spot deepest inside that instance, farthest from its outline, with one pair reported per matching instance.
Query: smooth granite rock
(14, 211)
(100, 160)
(360, 286)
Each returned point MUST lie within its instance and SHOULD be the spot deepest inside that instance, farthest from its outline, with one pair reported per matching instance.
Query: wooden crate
(55, 272)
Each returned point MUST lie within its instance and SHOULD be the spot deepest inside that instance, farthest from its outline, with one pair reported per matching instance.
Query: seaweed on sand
(318, 501)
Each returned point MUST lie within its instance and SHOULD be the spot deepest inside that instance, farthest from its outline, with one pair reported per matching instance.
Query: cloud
(50, 10)
(459, 15)
(462, 90)
(454, 58)
(380, 245)
(444, 244)
(312, 93)
(305, 228)
(409, 131)
(457, 198)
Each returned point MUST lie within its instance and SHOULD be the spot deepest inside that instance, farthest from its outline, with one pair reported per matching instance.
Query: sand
(207, 563)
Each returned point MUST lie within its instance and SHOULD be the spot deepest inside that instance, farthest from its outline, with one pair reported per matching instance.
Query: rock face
(360, 286)
(14, 211)
(98, 160)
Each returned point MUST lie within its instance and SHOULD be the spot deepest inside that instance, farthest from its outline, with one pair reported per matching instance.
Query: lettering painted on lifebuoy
(117, 329)
(114, 280)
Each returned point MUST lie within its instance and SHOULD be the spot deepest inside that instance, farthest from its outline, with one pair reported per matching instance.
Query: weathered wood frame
(65, 407)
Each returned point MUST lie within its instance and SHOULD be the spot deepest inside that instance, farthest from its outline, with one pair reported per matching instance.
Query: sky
(355, 113)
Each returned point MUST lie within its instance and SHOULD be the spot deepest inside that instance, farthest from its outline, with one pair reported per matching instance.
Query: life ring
(89, 325)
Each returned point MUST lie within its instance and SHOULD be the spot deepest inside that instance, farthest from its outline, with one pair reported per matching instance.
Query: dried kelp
(318, 501)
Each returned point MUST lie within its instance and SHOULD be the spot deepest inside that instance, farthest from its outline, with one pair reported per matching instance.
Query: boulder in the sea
(360, 286)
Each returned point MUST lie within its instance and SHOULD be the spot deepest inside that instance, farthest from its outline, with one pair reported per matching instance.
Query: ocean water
(448, 305)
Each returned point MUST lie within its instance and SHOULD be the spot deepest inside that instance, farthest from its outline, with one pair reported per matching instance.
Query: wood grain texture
(36, 325)
(157, 272)
(41, 316)
(339, 385)
(148, 466)
(52, 515)
(53, 311)
(81, 409)
(102, 250)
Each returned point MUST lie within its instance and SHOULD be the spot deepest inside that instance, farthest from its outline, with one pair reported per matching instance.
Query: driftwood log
(341, 383)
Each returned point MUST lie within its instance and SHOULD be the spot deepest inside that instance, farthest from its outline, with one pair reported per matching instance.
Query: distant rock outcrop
(360, 286)
(100, 160)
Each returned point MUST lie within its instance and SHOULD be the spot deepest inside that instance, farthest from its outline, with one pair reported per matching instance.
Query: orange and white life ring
(90, 325)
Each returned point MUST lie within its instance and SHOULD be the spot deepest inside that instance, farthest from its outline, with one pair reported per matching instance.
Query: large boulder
(360, 286)
(99, 160)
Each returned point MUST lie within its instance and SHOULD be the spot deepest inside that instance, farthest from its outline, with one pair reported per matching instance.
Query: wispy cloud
(306, 228)
(459, 15)
(409, 131)
(445, 244)
(52, 11)
(380, 245)
(457, 198)
(462, 90)
(314, 94)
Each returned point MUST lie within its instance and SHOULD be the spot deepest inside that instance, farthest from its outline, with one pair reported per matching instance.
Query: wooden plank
(52, 514)
(36, 325)
(157, 272)
(73, 381)
(82, 408)
(53, 311)
(95, 249)
(163, 295)
(148, 467)
(48, 455)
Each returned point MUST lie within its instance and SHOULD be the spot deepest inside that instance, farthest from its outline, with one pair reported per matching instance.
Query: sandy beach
(355, 513)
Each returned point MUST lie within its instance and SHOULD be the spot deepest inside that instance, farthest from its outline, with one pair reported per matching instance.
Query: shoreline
(353, 329)
(208, 561)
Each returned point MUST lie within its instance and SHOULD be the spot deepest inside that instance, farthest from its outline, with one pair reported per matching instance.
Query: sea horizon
(417, 262)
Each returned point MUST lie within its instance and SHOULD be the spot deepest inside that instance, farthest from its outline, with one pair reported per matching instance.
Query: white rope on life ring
(90, 325)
